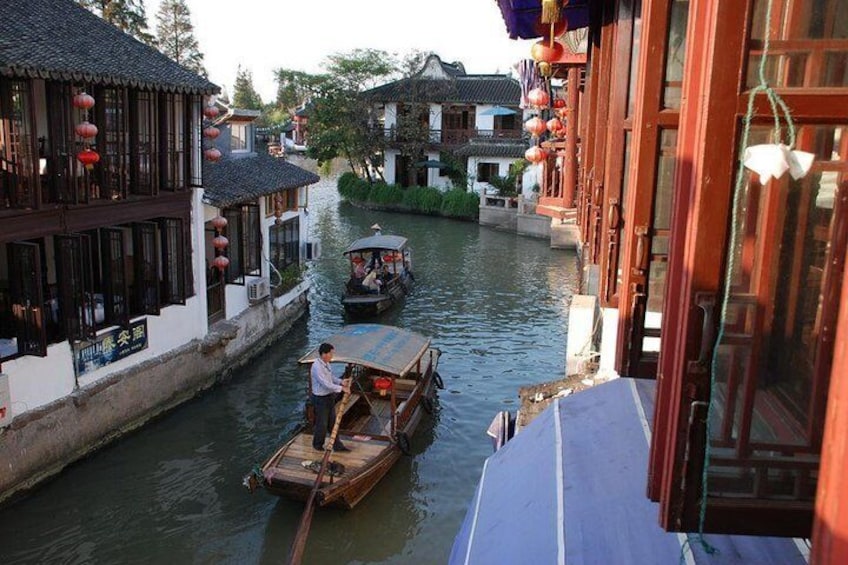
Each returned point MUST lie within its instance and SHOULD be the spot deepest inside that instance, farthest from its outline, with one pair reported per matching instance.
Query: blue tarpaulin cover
(570, 488)
(523, 17)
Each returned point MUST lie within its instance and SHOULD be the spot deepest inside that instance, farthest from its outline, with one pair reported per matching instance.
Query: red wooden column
(571, 113)
(830, 528)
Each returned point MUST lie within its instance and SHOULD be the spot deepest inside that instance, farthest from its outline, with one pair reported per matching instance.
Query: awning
(498, 111)
(385, 348)
(522, 17)
(391, 242)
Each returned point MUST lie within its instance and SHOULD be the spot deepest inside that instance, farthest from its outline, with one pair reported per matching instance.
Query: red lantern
(535, 154)
(538, 97)
(86, 130)
(219, 222)
(211, 132)
(555, 126)
(210, 111)
(221, 262)
(535, 126)
(88, 158)
(382, 384)
(543, 52)
(220, 242)
(212, 155)
(83, 101)
(559, 103)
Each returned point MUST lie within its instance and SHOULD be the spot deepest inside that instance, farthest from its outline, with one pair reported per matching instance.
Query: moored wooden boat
(390, 259)
(394, 383)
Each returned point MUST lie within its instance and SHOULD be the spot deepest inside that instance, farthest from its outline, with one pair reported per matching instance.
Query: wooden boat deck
(288, 465)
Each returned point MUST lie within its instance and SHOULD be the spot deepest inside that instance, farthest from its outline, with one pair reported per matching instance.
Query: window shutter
(27, 298)
(115, 295)
(173, 261)
(73, 268)
(146, 268)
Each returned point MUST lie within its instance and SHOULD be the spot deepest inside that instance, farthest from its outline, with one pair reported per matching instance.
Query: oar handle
(299, 542)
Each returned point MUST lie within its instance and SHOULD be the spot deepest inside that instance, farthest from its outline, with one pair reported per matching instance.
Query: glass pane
(634, 56)
(625, 179)
(773, 363)
(808, 44)
(676, 54)
(665, 180)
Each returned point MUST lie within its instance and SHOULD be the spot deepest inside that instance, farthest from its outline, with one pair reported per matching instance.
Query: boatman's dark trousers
(325, 417)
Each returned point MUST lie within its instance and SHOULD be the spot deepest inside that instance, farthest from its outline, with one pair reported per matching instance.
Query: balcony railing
(458, 136)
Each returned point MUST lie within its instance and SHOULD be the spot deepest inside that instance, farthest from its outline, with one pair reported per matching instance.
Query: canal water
(493, 302)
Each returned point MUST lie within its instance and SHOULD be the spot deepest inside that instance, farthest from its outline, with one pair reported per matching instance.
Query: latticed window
(284, 241)
(18, 184)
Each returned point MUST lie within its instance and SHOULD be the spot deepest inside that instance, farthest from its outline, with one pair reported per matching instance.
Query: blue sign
(109, 347)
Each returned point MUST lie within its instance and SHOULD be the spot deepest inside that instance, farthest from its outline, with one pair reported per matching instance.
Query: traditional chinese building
(719, 273)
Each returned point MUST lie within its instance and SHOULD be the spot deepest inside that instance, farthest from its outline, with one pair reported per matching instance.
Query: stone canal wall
(41, 442)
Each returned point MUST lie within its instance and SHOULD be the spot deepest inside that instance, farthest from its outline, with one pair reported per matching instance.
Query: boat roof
(385, 348)
(393, 242)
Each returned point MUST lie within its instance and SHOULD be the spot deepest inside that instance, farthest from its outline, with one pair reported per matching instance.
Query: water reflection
(493, 302)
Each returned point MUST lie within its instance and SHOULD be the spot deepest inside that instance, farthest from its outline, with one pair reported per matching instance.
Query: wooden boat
(389, 257)
(394, 384)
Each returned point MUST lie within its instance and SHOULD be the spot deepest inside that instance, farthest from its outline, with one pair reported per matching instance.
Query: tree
(244, 94)
(295, 87)
(175, 35)
(127, 15)
(343, 123)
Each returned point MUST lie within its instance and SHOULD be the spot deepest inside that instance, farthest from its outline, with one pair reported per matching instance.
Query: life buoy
(437, 378)
(427, 404)
(402, 441)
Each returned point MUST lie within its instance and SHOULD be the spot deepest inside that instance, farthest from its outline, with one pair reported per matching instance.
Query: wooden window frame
(146, 259)
(18, 175)
(704, 183)
(175, 285)
(113, 142)
(234, 251)
(144, 142)
(27, 298)
(116, 295)
(74, 269)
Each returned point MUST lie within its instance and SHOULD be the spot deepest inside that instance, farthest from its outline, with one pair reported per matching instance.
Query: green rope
(778, 105)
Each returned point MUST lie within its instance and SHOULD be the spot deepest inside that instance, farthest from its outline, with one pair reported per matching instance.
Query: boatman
(325, 386)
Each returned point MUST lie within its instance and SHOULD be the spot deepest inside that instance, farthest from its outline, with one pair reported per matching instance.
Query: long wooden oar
(299, 543)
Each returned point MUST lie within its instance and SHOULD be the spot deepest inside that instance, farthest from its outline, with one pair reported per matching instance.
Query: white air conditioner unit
(313, 250)
(257, 289)
(5, 402)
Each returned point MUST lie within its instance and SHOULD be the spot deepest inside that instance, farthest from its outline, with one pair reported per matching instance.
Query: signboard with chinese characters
(110, 347)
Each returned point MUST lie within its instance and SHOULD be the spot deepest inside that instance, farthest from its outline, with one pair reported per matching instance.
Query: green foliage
(295, 87)
(382, 193)
(456, 170)
(244, 94)
(288, 278)
(175, 35)
(424, 199)
(461, 204)
(455, 203)
(126, 15)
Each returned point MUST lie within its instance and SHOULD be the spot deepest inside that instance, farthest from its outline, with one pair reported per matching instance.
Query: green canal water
(495, 303)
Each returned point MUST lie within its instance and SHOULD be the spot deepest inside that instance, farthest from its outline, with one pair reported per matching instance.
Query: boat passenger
(371, 283)
(359, 271)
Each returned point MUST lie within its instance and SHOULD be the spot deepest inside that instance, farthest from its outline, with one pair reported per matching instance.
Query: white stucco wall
(532, 176)
(484, 122)
(389, 171)
(503, 170)
(37, 381)
(390, 115)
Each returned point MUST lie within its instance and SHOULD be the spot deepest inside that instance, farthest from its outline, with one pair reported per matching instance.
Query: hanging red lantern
(535, 126)
(83, 101)
(211, 132)
(212, 155)
(555, 126)
(88, 158)
(382, 385)
(219, 222)
(538, 97)
(542, 51)
(535, 154)
(220, 242)
(210, 111)
(86, 130)
(221, 262)
(559, 103)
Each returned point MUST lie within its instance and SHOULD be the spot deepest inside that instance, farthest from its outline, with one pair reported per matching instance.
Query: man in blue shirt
(325, 386)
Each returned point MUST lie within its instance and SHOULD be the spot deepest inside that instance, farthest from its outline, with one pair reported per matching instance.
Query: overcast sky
(262, 35)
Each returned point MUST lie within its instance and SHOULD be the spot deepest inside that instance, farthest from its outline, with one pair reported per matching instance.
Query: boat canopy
(391, 242)
(385, 348)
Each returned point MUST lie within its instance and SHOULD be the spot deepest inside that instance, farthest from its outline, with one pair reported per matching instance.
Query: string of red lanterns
(86, 130)
(210, 132)
(220, 242)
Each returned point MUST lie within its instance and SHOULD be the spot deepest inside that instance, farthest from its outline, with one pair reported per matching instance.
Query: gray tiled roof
(58, 39)
(232, 181)
(475, 149)
(465, 89)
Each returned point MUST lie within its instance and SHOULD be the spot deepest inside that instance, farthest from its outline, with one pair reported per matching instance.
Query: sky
(262, 35)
